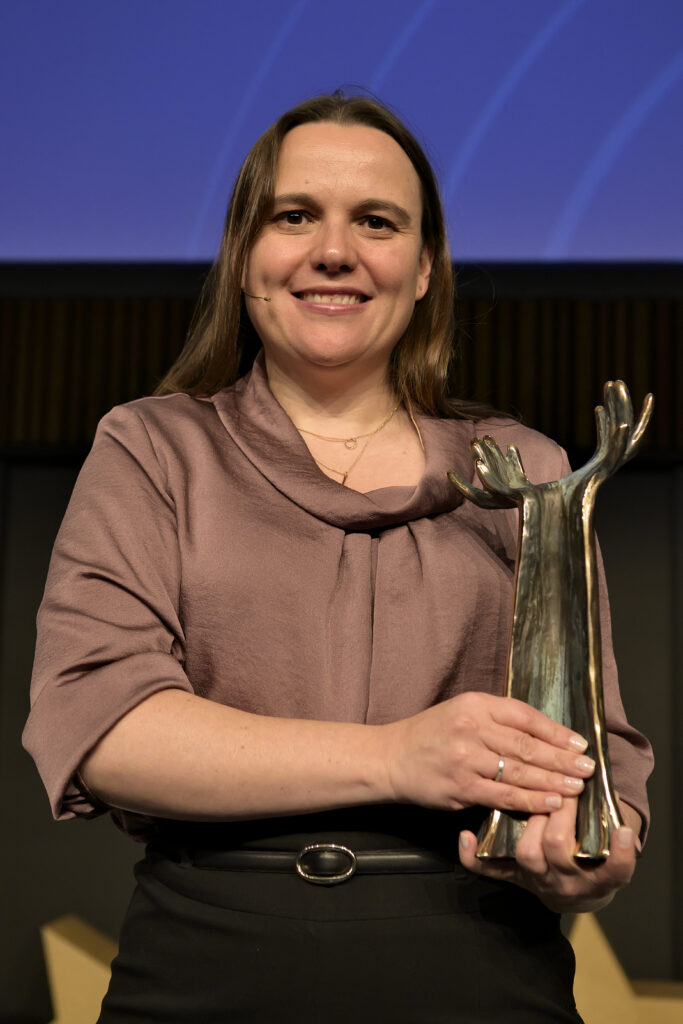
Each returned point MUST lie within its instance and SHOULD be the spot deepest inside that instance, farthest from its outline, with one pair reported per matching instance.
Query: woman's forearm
(179, 755)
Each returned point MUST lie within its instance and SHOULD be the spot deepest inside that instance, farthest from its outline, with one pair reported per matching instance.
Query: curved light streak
(217, 175)
(605, 156)
(402, 40)
(500, 96)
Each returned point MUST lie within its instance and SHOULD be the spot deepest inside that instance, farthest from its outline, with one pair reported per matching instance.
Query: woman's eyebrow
(397, 213)
(304, 199)
(295, 199)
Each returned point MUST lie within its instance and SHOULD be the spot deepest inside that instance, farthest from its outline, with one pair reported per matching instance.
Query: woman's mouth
(332, 298)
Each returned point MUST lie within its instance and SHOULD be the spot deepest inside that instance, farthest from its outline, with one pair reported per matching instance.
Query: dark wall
(536, 339)
(48, 869)
(546, 353)
(640, 524)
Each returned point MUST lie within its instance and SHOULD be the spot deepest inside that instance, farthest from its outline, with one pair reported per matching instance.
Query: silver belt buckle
(341, 876)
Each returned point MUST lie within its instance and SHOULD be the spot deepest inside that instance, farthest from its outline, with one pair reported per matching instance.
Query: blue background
(556, 126)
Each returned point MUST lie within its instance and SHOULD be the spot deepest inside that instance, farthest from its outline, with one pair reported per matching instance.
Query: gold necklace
(344, 474)
(351, 442)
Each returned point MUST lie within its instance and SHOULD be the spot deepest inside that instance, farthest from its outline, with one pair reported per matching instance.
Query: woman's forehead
(328, 156)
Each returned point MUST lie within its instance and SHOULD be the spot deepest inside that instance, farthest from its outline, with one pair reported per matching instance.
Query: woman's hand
(545, 863)
(449, 756)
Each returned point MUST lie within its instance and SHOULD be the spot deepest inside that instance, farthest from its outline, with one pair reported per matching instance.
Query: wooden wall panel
(66, 359)
(548, 360)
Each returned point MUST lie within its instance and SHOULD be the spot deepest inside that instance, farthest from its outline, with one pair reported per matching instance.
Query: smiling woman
(273, 637)
(223, 342)
(342, 281)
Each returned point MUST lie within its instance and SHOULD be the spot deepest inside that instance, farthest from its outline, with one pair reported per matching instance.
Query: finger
(529, 852)
(516, 788)
(621, 862)
(483, 785)
(606, 877)
(516, 773)
(515, 798)
(503, 869)
(633, 819)
(559, 838)
(515, 713)
(467, 849)
(509, 742)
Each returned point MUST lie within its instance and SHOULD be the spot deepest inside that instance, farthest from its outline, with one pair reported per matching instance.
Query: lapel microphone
(264, 297)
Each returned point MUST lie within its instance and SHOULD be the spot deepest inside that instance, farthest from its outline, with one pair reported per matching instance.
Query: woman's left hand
(545, 863)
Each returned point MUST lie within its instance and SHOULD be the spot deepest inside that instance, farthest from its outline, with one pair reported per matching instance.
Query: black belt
(318, 863)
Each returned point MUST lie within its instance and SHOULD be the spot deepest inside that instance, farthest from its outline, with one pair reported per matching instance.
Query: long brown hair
(222, 342)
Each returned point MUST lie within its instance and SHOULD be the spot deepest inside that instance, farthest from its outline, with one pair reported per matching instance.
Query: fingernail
(464, 841)
(576, 784)
(553, 802)
(578, 742)
(625, 838)
(585, 764)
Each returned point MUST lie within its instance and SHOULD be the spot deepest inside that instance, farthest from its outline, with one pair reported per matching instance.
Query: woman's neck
(332, 400)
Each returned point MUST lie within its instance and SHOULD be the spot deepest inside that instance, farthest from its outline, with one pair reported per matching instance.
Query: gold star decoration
(77, 957)
(604, 994)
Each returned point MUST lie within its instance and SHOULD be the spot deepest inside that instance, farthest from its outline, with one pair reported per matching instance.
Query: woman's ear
(424, 271)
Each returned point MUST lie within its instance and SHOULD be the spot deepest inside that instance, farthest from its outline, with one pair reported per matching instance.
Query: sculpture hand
(620, 413)
(618, 436)
(503, 476)
(545, 863)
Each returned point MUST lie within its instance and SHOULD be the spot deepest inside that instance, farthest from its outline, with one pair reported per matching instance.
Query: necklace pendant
(351, 443)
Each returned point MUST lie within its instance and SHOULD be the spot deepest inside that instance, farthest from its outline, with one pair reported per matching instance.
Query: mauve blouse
(203, 549)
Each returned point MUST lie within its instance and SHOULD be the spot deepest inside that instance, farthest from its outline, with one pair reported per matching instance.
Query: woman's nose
(334, 248)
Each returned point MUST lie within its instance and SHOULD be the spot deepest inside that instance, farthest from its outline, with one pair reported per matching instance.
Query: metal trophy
(554, 658)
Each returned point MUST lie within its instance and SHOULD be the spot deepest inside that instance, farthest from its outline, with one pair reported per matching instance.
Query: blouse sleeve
(109, 633)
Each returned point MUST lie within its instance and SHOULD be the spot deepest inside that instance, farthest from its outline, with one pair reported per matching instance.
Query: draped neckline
(266, 436)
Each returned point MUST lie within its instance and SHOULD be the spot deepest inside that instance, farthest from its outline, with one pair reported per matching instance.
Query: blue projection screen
(556, 126)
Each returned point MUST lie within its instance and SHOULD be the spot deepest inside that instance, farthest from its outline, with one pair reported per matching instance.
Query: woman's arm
(179, 755)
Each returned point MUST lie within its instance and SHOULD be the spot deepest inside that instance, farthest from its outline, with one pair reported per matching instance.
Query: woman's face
(340, 256)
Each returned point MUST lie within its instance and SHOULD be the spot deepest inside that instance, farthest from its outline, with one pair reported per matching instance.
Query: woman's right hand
(449, 755)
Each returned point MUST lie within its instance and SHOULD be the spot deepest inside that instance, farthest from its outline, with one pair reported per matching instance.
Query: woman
(273, 635)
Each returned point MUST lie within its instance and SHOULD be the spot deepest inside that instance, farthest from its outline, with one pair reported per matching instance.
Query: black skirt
(213, 946)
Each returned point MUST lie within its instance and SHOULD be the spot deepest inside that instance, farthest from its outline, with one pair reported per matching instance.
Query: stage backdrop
(555, 125)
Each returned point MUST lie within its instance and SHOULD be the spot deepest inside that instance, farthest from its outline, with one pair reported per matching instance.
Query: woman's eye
(294, 217)
(378, 223)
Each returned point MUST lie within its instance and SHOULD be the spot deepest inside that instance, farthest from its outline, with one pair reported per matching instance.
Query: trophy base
(498, 836)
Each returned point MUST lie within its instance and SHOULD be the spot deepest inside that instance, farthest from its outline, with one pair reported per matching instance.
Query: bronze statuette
(554, 658)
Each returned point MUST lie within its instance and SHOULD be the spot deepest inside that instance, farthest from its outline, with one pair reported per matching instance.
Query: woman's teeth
(337, 300)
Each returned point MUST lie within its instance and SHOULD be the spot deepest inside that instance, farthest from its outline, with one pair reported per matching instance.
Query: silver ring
(499, 773)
